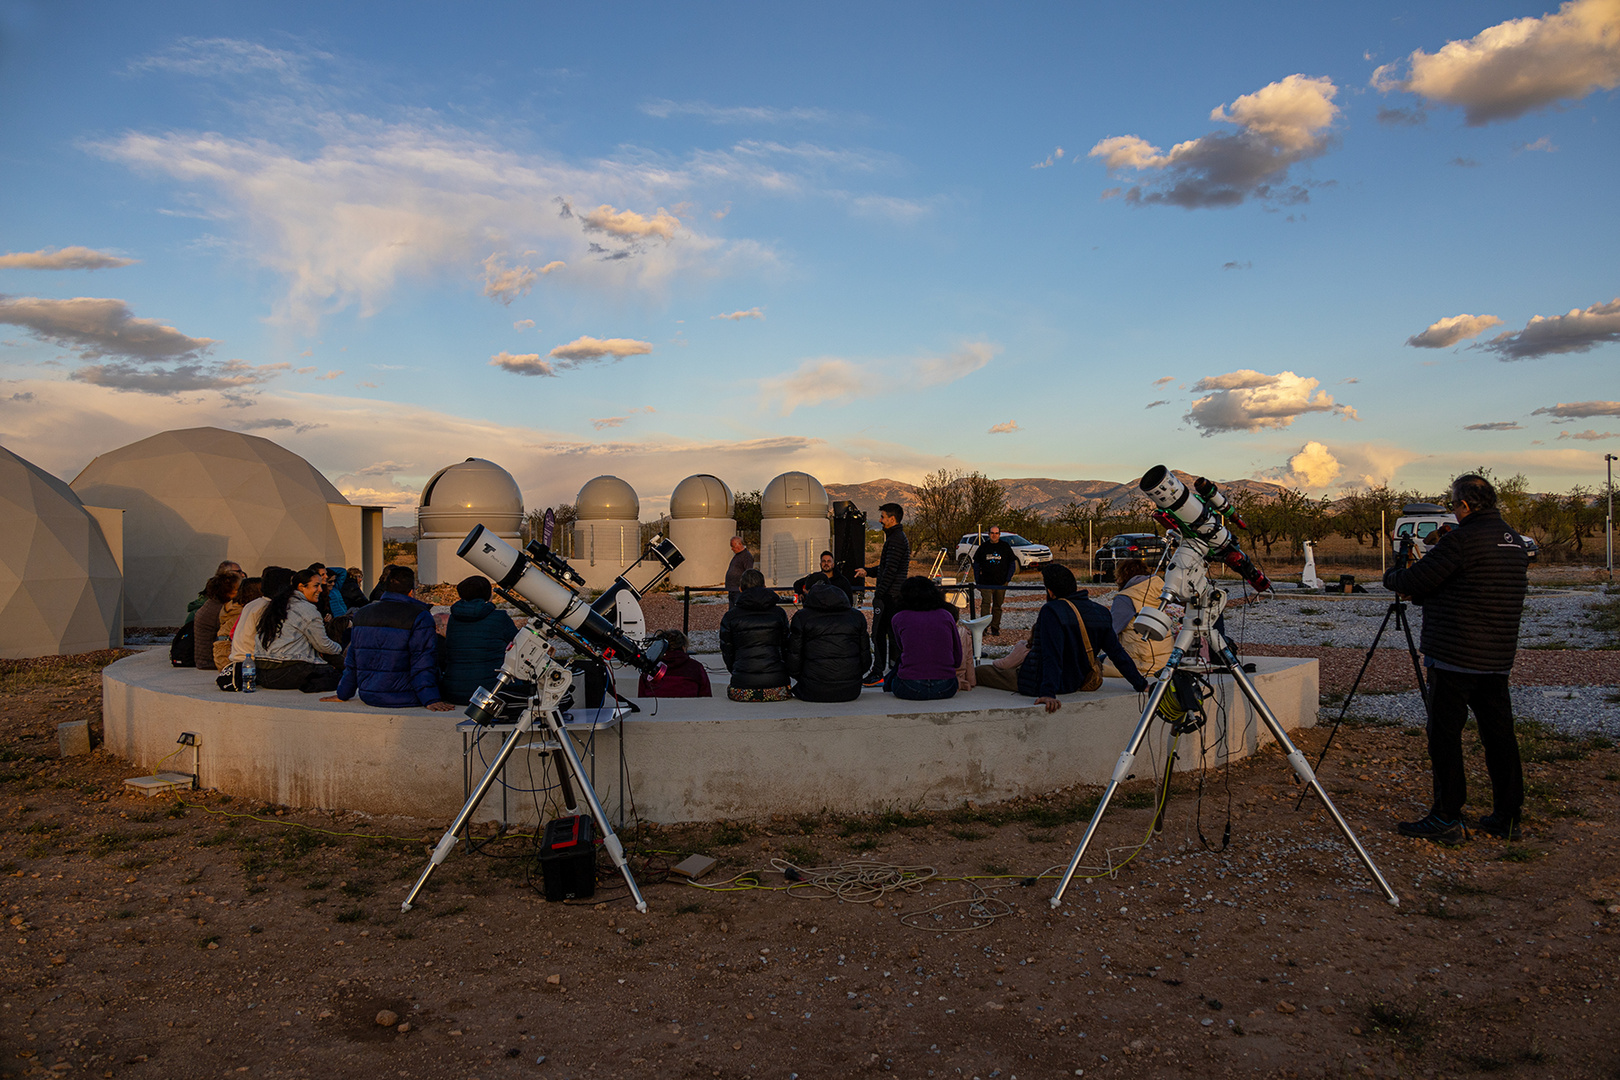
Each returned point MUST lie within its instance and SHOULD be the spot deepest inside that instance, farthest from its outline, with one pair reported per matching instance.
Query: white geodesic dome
(60, 588)
(195, 497)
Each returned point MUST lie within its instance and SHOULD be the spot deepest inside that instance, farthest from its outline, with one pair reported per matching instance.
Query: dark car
(1149, 547)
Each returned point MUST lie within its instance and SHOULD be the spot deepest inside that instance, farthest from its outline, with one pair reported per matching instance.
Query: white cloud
(523, 324)
(1314, 466)
(1156, 404)
(1250, 400)
(179, 379)
(738, 316)
(588, 348)
(94, 327)
(1051, 159)
(1580, 409)
(1454, 328)
(277, 424)
(1163, 380)
(1578, 331)
(506, 284)
(1517, 66)
(835, 379)
(628, 224)
(523, 363)
(663, 108)
(1280, 125)
(1003, 429)
(1589, 435)
(229, 58)
(1494, 425)
(608, 422)
(68, 258)
(1543, 145)
(330, 375)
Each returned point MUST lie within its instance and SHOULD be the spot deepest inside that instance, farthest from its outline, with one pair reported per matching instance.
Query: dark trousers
(297, 675)
(1451, 695)
(922, 689)
(882, 614)
(993, 597)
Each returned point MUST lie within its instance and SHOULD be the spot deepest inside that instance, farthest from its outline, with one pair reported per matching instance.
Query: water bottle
(250, 672)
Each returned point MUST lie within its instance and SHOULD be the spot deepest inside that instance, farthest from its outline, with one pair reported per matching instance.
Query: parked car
(1423, 520)
(1027, 552)
(1149, 547)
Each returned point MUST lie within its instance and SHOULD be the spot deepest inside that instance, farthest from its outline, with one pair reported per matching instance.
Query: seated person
(828, 650)
(683, 676)
(475, 639)
(753, 643)
(825, 576)
(354, 595)
(245, 635)
(294, 641)
(930, 648)
(1137, 589)
(393, 656)
(246, 593)
(965, 679)
(1069, 631)
(220, 590)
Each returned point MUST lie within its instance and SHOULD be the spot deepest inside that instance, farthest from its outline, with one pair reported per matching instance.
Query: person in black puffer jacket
(475, 641)
(753, 642)
(828, 651)
(1471, 587)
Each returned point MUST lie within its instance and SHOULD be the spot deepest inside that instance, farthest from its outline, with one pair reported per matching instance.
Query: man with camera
(1471, 587)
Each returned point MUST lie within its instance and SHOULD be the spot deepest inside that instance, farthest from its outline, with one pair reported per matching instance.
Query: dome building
(198, 496)
(607, 530)
(795, 528)
(61, 582)
(458, 497)
(701, 525)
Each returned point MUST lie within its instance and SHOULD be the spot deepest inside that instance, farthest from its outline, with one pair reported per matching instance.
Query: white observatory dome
(700, 496)
(795, 495)
(468, 493)
(607, 498)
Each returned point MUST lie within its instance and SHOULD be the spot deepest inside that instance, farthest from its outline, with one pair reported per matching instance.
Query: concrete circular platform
(686, 759)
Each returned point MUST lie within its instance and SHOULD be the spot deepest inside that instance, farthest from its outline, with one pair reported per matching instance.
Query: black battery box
(568, 858)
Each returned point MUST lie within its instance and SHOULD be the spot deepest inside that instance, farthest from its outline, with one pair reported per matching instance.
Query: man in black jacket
(1471, 588)
(893, 566)
(827, 575)
(993, 566)
(827, 651)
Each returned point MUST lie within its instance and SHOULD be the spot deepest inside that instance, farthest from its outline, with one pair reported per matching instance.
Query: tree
(941, 503)
(748, 509)
(984, 501)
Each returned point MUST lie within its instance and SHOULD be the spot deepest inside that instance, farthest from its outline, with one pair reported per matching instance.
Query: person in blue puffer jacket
(393, 655)
(475, 640)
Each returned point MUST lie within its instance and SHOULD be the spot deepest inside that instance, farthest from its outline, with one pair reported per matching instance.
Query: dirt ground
(205, 937)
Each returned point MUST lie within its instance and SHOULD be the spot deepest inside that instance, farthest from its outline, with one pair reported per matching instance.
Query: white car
(1027, 552)
(1420, 521)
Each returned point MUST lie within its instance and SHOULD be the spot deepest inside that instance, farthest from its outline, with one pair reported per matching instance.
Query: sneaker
(874, 679)
(1434, 827)
(1500, 826)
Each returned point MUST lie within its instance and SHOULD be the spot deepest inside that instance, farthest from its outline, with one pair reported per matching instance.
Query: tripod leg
(1122, 770)
(1412, 651)
(1393, 609)
(448, 841)
(1296, 760)
(610, 839)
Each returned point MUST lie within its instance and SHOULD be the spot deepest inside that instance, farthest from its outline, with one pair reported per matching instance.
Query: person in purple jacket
(930, 648)
(393, 655)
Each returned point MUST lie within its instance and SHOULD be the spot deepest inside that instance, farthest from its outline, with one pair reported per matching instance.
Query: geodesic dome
(60, 588)
(197, 496)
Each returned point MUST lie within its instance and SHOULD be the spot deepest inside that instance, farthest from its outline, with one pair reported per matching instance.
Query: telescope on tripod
(1198, 517)
(541, 584)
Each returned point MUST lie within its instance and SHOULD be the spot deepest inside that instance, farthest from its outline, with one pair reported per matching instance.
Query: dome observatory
(701, 525)
(795, 528)
(198, 496)
(607, 530)
(61, 585)
(458, 497)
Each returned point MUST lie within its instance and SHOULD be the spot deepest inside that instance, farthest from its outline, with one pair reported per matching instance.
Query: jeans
(1451, 694)
(923, 689)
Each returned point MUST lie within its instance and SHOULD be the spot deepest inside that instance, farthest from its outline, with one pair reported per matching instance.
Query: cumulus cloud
(1156, 404)
(738, 316)
(576, 353)
(1452, 329)
(1003, 429)
(1575, 332)
(1495, 425)
(178, 378)
(1163, 380)
(1279, 126)
(523, 363)
(1517, 66)
(329, 376)
(629, 225)
(507, 283)
(1580, 409)
(1314, 466)
(663, 109)
(1589, 435)
(95, 328)
(1051, 159)
(835, 379)
(1250, 400)
(1543, 145)
(523, 324)
(68, 258)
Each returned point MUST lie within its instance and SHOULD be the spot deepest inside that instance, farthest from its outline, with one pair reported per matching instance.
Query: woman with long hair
(1139, 587)
(930, 648)
(220, 590)
(247, 592)
(292, 637)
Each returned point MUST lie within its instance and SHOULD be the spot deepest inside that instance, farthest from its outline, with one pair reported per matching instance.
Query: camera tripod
(1188, 578)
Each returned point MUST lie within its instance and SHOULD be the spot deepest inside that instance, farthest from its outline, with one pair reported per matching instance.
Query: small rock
(58, 959)
(553, 980)
(387, 1018)
(404, 1027)
(1285, 1007)
(1327, 1010)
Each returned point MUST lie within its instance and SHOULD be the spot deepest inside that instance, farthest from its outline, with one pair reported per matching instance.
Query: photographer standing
(1471, 588)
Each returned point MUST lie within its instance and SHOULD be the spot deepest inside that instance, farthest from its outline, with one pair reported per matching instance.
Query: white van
(1422, 520)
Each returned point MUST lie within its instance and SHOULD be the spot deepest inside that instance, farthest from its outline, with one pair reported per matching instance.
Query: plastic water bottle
(250, 673)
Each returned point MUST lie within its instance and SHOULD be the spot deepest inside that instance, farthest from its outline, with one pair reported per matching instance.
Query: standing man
(741, 563)
(1471, 587)
(993, 566)
(893, 565)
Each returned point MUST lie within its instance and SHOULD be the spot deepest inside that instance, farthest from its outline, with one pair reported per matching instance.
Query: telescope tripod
(552, 682)
(1197, 627)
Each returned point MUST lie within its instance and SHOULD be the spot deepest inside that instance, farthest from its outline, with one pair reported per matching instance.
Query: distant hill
(1046, 497)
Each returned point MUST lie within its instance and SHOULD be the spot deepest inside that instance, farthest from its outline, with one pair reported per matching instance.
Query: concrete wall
(694, 760)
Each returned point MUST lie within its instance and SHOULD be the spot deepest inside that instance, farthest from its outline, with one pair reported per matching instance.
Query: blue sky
(1321, 245)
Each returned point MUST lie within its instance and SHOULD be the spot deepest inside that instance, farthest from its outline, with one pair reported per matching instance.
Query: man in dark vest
(993, 566)
(1471, 586)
